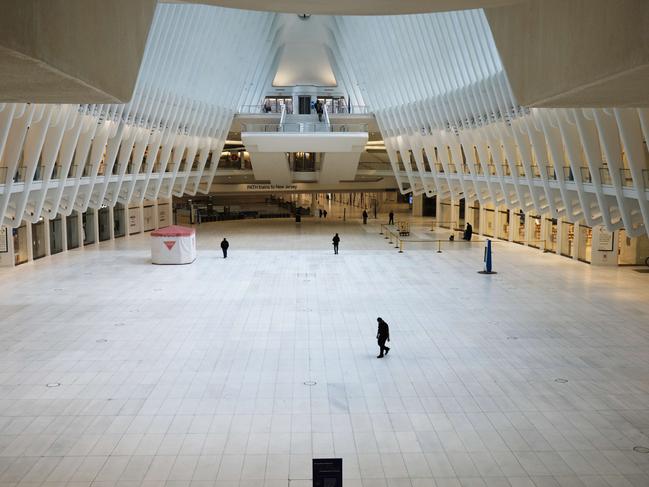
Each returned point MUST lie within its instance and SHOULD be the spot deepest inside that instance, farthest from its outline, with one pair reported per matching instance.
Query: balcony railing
(586, 176)
(551, 173)
(626, 177)
(605, 176)
(567, 174)
(303, 128)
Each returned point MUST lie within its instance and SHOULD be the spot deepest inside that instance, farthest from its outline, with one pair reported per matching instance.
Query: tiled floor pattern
(193, 376)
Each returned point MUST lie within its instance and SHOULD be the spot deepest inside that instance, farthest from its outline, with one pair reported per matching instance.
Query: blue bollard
(487, 260)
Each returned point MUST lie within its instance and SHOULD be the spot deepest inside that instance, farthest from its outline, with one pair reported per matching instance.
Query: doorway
(304, 105)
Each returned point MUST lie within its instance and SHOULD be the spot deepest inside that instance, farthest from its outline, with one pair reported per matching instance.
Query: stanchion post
(439, 246)
(487, 260)
(390, 234)
(401, 247)
(381, 232)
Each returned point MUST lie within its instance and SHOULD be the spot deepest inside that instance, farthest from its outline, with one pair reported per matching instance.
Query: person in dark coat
(468, 232)
(382, 335)
(320, 213)
(336, 241)
(364, 217)
(224, 247)
(391, 218)
(324, 213)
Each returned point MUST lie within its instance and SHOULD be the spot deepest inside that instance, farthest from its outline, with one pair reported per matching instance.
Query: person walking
(336, 241)
(224, 247)
(320, 212)
(324, 213)
(391, 218)
(319, 110)
(364, 217)
(382, 335)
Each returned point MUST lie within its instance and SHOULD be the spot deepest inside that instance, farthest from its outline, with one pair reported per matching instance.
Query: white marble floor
(193, 376)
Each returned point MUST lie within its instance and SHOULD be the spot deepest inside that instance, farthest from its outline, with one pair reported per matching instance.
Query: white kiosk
(173, 245)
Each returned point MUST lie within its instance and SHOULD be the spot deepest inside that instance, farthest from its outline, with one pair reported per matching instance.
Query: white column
(604, 240)
(95, 217)
(80, 228)
(576, 241)
(48, 250)
(64, 233)
(111, 222)
(30, 242)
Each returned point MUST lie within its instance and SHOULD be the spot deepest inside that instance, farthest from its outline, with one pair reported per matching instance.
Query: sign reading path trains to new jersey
(270, 187)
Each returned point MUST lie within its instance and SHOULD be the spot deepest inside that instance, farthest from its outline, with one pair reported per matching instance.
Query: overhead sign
(605, 240)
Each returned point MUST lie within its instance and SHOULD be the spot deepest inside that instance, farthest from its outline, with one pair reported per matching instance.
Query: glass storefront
(536, 240)
(104, 224)
(476, 217)
(551, 234)
(88, 226)
(585, 243)
(72, 230)
(21, 244)
(56, 235)
(38, 239)
(519, 231)
(567, 239)
(119, 217)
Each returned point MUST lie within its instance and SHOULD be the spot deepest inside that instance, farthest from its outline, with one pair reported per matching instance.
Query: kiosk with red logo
(173, 245)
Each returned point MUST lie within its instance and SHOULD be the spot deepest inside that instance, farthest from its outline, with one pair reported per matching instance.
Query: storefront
(88, 226)
(72, 230)
(104, 223)
(461, 212)
(567, 239)
(490, 222)
(519, 227)
(119, 220)
(149, 218)
(584, 253)
(21, 244)
(475, 209)
(503, 226)
(444, 219)
(39, 248)
(56, 235)
(551, 234)
(163, 215)
(537, 240)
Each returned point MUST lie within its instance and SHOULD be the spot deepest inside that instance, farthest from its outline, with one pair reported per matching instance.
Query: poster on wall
(605, 240)
(4, 241)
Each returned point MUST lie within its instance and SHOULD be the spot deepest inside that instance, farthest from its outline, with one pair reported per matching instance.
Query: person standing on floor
(324, 213)
(336, 241)
(382, 335)
(391, 218)
(364, 217)
(224, 247)
(320, 213)
(468, 233)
